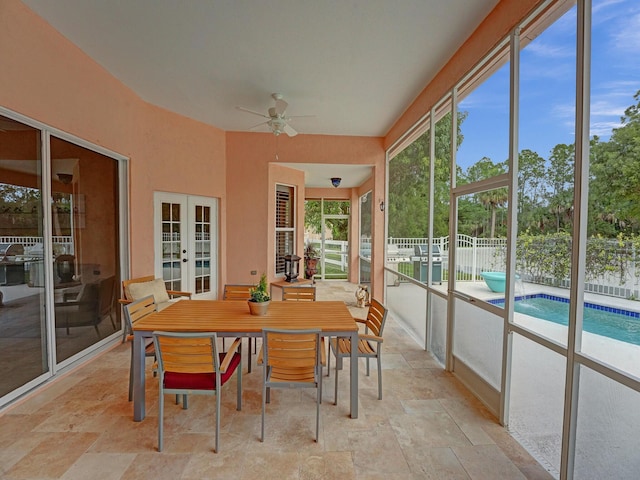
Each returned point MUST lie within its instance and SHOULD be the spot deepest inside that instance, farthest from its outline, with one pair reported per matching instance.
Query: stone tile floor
(427, 426)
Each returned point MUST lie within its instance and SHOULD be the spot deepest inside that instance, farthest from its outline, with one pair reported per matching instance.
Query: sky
(547, 87)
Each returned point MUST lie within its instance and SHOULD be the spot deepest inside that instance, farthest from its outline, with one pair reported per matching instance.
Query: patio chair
(239, 292)
(291, 359)
(189, 364)
(132, 313)
(108, 298)
(83, 310)
(302, 293)
(369, 343)
(137, 288)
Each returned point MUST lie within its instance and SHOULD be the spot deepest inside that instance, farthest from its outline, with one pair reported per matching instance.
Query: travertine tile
(487, 462)
(99, 466)
(427, 426)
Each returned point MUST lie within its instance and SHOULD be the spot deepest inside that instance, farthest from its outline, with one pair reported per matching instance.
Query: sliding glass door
(59, 252)
(24, 355)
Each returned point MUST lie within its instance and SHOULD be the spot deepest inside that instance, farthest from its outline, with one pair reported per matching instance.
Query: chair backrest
(237, 292)
(376, 317)
(87, 303)
(134, 311)
(187, 353)
(291, 356)
(304, 293)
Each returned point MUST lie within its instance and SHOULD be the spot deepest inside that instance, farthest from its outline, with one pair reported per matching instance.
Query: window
(285, 225)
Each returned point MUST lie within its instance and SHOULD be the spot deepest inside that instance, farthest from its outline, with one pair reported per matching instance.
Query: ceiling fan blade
(289, 130)
(242, 109)
(281, 106)
(259, 125)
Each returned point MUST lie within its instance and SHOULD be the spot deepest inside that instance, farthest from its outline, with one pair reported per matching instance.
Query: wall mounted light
(65, 178)
(382, 205)
(335, 181)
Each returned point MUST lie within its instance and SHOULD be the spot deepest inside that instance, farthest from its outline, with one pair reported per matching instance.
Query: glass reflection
(23, 340)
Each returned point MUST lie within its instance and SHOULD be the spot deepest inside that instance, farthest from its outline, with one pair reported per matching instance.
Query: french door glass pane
(202, 249)
(171, 246)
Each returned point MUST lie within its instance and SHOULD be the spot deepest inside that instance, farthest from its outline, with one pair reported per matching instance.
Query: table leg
(354, 375)
(138, 377)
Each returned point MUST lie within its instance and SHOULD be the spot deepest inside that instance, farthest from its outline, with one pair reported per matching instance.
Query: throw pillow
(155, 287)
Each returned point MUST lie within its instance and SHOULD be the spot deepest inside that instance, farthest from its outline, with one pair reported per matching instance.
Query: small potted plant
(310, 260)
(259, 301)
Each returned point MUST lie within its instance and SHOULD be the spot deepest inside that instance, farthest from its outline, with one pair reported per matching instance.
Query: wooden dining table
(232, 319)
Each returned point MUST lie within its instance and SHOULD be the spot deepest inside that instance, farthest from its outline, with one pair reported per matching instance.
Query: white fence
(33, 245)
(477, 255)
(333, 249)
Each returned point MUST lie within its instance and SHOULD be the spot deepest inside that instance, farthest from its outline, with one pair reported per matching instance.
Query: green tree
(560, 177)
(408, 203)
(492, 200)
(313, 216)
(615, 177)
(531, 173)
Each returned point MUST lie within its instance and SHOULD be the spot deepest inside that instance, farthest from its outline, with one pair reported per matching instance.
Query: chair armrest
(373, 338)
(179, 294)
(70, 296)
(124, 301)
(227, 358)
(360, 320)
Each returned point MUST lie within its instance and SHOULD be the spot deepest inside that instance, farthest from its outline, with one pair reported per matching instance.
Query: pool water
(610, 322)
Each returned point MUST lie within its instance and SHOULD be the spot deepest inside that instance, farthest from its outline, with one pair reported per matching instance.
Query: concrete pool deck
(616, 353)
(608, 418)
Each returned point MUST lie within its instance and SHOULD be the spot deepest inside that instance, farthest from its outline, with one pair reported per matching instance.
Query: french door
(186, 243)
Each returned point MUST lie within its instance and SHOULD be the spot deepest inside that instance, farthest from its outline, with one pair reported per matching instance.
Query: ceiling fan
(277, 121)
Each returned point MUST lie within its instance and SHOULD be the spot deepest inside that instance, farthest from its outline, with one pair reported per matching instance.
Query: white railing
(477, 255)
(333, 249)
(61, 243)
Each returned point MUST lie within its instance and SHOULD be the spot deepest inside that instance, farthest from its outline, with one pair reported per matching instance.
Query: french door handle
(184, 260)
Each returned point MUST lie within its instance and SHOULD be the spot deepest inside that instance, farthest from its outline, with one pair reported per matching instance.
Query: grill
(11, 271)
(8, 251)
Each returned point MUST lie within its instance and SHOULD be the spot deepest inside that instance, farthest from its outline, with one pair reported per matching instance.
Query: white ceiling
(355, 65)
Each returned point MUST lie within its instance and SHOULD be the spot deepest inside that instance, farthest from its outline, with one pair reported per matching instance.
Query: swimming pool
(610, 322)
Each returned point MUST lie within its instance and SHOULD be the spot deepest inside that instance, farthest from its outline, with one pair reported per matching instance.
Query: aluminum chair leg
(335, 394)
(264, 394)
(217, 420)
(329, 357)
(239, 386)
(318, 401)
(131, 375)
(379, 377)
(160, 419)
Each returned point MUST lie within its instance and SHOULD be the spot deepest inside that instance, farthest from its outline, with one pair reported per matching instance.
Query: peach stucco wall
(251, 179)
(45, 77)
